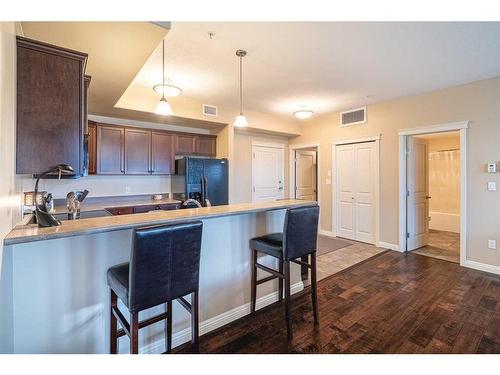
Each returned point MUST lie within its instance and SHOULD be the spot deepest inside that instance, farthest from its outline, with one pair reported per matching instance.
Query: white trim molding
(374, 138)
(183, 336)
(388, 245)
(480, 266)
(271, 145)
(344, 141)
(439, 128)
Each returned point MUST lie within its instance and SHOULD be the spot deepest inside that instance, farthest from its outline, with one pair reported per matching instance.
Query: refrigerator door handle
(202, 185)
(205, 196)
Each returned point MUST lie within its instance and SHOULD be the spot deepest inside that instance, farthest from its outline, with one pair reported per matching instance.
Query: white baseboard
(444, 221)
(181, 337)
(387, 245)
(481, 266)
(326, 233)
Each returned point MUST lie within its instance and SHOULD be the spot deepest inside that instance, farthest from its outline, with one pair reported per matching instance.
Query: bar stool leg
(195, 329)
(113, 337)
(314, 288)
(287, 300)
(134, 333)
(168, 327)
(280, 281)
(254, 282)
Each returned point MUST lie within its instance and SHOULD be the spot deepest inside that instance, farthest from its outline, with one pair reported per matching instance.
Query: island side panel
(61, 298)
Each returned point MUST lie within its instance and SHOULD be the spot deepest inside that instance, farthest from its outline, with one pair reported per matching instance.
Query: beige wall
(478, 102)
(444, 174)
(242, 181)
(9, 196)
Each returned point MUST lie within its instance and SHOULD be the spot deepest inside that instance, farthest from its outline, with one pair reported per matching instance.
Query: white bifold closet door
(355, 191)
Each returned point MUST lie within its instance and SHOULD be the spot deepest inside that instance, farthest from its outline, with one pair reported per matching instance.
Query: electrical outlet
(492, 244)
(492, 186)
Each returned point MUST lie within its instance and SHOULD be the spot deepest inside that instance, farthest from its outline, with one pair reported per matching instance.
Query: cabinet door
(137, 151)
(49, 107)
(92, 147)
(205, 145)
(110, 150)
(184, 144)
(162, 155)
(120, 210)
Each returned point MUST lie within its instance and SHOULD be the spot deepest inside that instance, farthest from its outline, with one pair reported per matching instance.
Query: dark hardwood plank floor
(391, 303)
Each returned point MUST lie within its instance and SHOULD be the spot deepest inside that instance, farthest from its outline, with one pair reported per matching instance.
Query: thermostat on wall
(492, 167)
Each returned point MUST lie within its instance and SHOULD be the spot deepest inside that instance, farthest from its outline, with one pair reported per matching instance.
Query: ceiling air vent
(209, 110)
(353, 117)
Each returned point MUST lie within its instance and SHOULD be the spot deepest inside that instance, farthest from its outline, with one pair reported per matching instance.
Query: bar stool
(298, 241)
(164, 266)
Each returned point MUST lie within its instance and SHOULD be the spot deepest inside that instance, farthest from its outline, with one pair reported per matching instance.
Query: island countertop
(31, 233)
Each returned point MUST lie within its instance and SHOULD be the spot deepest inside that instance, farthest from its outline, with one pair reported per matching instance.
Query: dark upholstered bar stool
(164, 266)
(297, 241)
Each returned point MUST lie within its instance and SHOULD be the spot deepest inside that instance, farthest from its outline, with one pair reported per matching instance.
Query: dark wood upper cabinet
(206, 145)
(50, 107)
(110, 147)
(185, 144)
(92, 146)
(137, 151)
(162, 153)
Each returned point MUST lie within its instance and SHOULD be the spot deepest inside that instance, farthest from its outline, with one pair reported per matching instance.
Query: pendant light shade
(241, 121)
(163, 107)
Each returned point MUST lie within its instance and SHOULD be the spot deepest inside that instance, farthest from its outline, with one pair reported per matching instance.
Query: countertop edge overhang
(32, 233)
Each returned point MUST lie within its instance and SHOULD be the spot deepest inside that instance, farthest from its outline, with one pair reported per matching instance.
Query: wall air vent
(210, 110)
(353, 117)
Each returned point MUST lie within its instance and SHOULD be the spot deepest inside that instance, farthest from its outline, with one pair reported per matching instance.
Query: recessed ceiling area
(324, 66)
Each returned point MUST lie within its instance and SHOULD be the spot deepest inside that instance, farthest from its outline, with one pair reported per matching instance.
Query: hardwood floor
(442, 245)
(391, 303)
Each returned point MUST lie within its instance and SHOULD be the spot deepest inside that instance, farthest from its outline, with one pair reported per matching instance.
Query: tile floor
(442, 245)
(337, 260)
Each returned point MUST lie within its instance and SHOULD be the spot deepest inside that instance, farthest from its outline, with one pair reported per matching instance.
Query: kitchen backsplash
(100, 186)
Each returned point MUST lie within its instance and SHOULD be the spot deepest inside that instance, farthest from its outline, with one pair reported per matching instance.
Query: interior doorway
(433, 205)
(433, 191)
(268, 172)
(306, 174)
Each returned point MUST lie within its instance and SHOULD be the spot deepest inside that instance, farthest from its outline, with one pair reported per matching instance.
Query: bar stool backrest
(164, 264)
(300, 231)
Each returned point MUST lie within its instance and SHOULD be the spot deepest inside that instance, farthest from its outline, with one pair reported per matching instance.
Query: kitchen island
(59, 299)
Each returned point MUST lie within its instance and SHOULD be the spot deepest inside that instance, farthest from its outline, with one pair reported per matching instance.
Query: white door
(305, 175)
(267, 173)
(355, 191)
(417, 181)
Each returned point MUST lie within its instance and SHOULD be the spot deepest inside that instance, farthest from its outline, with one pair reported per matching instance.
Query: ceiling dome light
(163, 108)
(303, 114)
(241, 121)
(168, 91)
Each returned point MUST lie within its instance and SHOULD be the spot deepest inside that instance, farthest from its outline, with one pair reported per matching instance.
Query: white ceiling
(324, 66)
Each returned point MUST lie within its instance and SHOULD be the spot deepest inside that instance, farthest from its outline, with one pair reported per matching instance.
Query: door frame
(403, 135)
(292, 182)
(345, 141)
(280, 146)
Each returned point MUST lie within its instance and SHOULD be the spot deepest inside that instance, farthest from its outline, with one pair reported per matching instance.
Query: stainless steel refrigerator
(202, 179)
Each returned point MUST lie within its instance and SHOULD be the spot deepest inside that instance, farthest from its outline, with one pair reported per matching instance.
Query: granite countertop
(31, 233)
(101, 203)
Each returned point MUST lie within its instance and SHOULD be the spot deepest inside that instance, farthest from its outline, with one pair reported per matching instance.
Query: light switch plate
(492, 167)
(492, 244)
(492, 186)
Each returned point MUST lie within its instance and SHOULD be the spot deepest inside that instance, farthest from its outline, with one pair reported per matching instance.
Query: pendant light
(163, 107)
(241, 121)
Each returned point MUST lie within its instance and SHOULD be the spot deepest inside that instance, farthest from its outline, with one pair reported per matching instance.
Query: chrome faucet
(191, 200)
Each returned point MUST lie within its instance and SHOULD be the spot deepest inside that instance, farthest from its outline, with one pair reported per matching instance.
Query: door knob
(427, 197)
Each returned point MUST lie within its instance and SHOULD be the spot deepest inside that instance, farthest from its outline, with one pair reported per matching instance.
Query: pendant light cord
(241, 91)
(163, 67)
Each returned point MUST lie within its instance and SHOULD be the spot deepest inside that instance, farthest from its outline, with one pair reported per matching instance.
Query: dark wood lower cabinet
(120, 210)
(143, 208)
